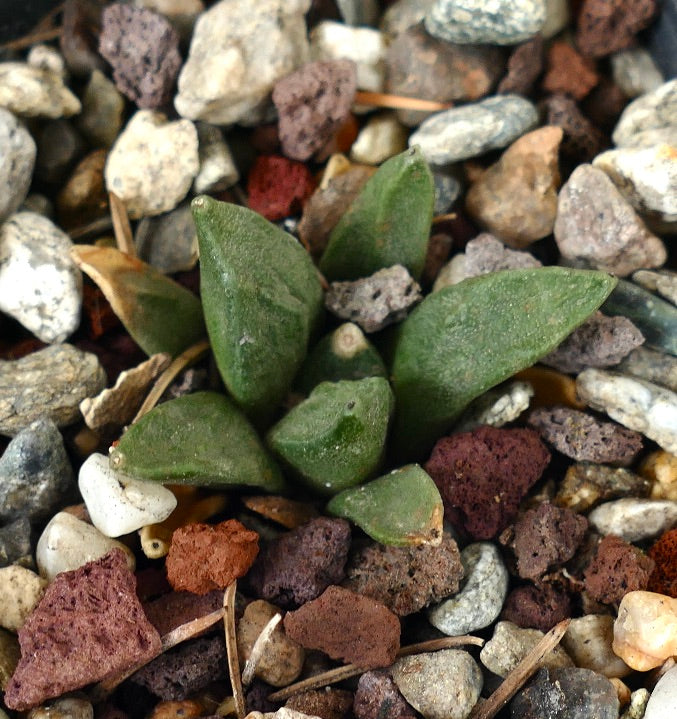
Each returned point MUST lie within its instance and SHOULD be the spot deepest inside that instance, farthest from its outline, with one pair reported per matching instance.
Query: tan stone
(660, 468)
(20, 592)
(588, 642)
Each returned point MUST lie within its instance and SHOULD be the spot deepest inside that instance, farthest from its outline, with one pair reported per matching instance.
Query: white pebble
(35, 92)
(382, 137)
(634, 519)
(217, 167)
(588, 641)
(662, 703)
(17, 159)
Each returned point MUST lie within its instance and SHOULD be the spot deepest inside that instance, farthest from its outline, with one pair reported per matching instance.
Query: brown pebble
(537, 606)
(347, 626)
(524, 66)
(324, 703)
(203, 557)
(617, 568)
(287, 512)
(582, 140)
(377, 697)
(84, 198)
(88, 626)
(312, 103)
(187, 709)
(606, 26)
(568, 72)
(604, 104)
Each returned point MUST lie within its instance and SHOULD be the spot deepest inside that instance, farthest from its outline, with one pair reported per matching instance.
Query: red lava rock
(377, 697)
(605, 26)
(88, 626)
(175, 675)
(546, 536)
(347, 626)
(278, 187)
(323, 703)
(173, 609)
(203, 557)
(568, 72)
(616, 569)
(300, 565)
(483, 475)
(524, 66)
(312, 103)
(584, 438)
(537, 607)
(406, 579)
(582, 140)
(79, 38)
(663, 579)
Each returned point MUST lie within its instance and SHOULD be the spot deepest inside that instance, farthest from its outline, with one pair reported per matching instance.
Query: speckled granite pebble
(496, 407)
(40, 285)
(635, 403)
(481, 597)
(36, 476)
(475, 128)
(634, 519)
(654, 111)
(33, 92)
(499, 22)
(17, 159)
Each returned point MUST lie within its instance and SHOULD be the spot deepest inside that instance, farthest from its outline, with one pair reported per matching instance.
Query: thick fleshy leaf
(262, 297)
(468, 337)
(401, 508)
(387, 224)
(159, 314)
(336, 438)
(201, 439)
(344, 353)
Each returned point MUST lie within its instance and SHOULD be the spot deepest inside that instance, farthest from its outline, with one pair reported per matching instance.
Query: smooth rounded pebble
(656, 110)
(635, 71)
(381, 138)
(496, 407)
(476, 128)
(439, 685)
(35, 92)
(662, 703)
(153, 163)
(67, 543)
(634, 403)
(217, 167)
(588, 642)
(119, 504)
(634, 519)
(499, 22)
(40, 285)
(20, 592)
(17, 159)
(481, 599)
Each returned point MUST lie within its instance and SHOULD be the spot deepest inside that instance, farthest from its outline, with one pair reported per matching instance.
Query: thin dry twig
(351, 670)
(96, 227)
(33, 38)
(258, 649)
(399, 102)
(515, 679)
(443, 218)
(231, 648)
(121, 227)
(187, 357)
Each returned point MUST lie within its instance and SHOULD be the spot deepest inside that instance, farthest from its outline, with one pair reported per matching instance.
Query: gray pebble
(439, 685)
(447, 189)
(496, 407)
(656, 110)
(635, 71)
(377, 301)
(36, 476)
(50, 382)
(656, 367)
(60, 146)
(662, 703)
(40, 285)
(169, 241)
(481, 598)
(634, 519)
(595, 224)
(664, 282)
(15, 543)
(217, 167)
(636, 404)
(471, 130)
(499, 22)
(17, 159)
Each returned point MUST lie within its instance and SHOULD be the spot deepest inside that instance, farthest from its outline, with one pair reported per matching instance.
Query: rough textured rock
(143, 49)
(36, 476)
(347, 626)
(584, 438)
(153, 163)
(596, 225)
(63, 648)
(481, 597)
(439, 685)
(516, 198)
(172, 609)
(203, 557)
(476, 128)
(301, 564)
(405, 579)
(605, 27)
(484, 474)
(599, 342)
(40, 285)
(324, 703)
(473, 21)
(175, 675)
(588, 642)
(17, 159)
(34, 92)
(569, 73)
(545, 537)
(278, 187)
(524, 66)
(312, 103)
(230, 72)
(539, 607)
(641, 406)
(634, 519)
(377, 697)
(497, 407)
(51, 382)
(663, 579)
(377, 301)
(582, 140)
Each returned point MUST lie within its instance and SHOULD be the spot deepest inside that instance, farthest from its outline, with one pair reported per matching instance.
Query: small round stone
(635, 71)
(17, 159)
(381, 138)
(634, 519)
(649, 113)
(662, 703)
(168, 241)
(588, 642)
(20, 592)
(64, 708)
